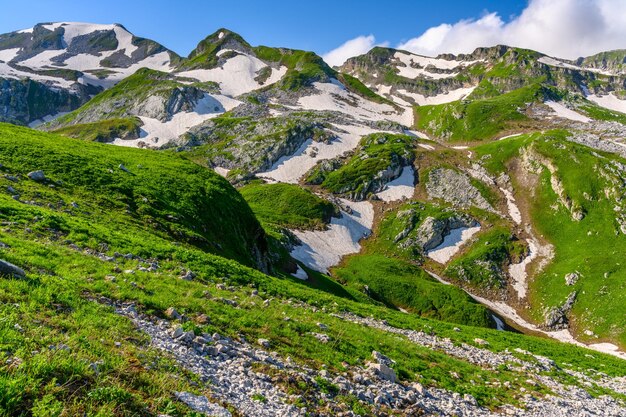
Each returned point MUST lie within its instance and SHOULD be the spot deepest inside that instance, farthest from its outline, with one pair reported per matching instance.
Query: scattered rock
(172, 314)
(572, 278)
(264, 342)
(202, 404)
(187, 276)
(37, 176)
(8, 269)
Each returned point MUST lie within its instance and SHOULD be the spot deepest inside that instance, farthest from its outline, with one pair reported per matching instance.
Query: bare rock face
(455, 188)
(556, 318)
(572, 278)
(431, 232)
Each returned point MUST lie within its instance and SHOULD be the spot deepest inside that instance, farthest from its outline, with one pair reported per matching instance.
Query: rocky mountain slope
(65, 64)
(388, 238)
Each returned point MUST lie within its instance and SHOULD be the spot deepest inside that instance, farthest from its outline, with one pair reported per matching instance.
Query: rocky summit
(250, 231)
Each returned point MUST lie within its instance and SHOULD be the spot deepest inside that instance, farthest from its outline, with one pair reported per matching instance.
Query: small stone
(38, 176)
(264, 342)
(178, 332)
(571, 278)
(383, 371)
(481, 342)
(187, 276)
(8, 269)
(172, 314)
(202, 319)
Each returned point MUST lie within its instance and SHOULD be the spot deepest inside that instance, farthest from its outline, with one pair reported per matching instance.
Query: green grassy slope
(103, 131)
(594, 185)
(287, 205)
(480, 119)
(165, 193)
(401, 284)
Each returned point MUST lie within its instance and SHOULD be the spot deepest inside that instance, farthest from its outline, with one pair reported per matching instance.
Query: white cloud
(357, 46)
(562, 28)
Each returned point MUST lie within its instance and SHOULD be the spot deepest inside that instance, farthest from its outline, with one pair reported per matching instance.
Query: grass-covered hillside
(479, 119)
(575, 200)
(103, 193)
(288, 205)
(104, 130)
(111, 225)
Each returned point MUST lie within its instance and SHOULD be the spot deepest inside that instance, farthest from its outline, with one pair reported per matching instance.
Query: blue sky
(320, 25)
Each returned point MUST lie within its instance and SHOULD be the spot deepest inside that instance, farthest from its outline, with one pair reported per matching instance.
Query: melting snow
(293, 167)
(221, 171)
(411, 60)
(159, 133)
(514, 212)
(300, 274)
(518, 271)
(333, 96)
(566, 113)
(448, 97)
(400, 188)
(511, 136)
(8, 54)
(509, 312)
(452, 244)
(237, 75)
(609, 101)
(321, 250)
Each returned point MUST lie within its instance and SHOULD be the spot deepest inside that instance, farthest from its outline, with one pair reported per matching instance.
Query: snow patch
(400, 188)
(237, 75)
(511, 136)
(566, 113)
(159, 133)
(452, 244)
(518, 271)
(508, 312)
(448, 97)
(300, 274)
(609, 101)
(321, 250)
(221, 171)
(333, 96)
(411, 61)
(426, 146)
(8, 54)
(514, 211)
(293, 167)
